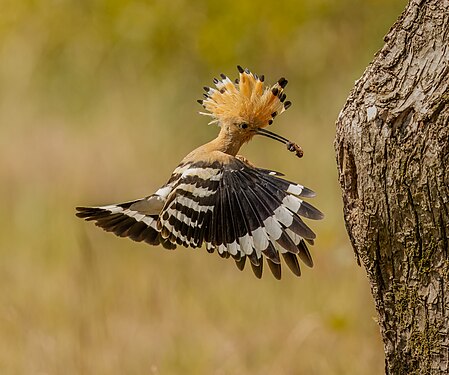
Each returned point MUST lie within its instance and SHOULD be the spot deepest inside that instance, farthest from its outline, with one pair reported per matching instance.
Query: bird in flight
(219, 199)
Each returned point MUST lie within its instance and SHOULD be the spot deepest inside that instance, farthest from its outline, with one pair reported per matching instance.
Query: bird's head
(243, 108)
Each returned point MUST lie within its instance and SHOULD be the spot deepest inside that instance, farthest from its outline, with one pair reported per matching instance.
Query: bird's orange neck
(226, 142)
(225, 146)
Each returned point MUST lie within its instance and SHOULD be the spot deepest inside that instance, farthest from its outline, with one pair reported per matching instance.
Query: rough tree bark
(392, 149)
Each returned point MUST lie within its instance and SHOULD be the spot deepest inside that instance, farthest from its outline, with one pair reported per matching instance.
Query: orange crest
(245, 100)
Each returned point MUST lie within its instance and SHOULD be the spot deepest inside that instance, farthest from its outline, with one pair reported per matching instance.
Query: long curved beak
(291, 146)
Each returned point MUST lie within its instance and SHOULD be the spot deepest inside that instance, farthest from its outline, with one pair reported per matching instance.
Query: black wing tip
(240, 263)
(309, 264)
(306, 259)
(292, 262)
(304, 254)
(88, 212)
(83, 209)
(257, 269)
(275, 269)
(307, 193)
(166, 244)
(310, 212)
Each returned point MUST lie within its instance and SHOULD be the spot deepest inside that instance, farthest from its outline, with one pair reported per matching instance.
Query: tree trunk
(392, 149)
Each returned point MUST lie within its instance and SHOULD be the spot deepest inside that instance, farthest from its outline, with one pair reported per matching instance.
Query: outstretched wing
(240, 211)
(136, 219)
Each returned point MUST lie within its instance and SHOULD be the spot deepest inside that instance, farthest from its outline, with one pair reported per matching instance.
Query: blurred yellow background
(98, 105)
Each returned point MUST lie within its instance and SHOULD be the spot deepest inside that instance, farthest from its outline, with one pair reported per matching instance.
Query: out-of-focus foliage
(97, 105)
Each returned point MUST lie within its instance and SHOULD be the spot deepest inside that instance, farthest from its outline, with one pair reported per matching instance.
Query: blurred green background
(98, 105)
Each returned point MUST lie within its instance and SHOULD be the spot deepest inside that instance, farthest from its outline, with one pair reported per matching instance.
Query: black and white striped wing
(136, 219)
(240, 211)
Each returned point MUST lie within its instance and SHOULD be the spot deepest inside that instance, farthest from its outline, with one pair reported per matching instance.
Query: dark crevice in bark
(417, 224)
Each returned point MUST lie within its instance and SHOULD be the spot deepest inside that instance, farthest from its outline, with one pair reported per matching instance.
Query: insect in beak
(291, 146)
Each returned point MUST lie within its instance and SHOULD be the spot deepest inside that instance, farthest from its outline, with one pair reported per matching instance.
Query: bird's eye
(244, 126)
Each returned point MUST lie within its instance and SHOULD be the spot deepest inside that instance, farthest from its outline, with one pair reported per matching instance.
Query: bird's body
(217, 198)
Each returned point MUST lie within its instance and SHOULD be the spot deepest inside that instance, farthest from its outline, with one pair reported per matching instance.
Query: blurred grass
(97, 105)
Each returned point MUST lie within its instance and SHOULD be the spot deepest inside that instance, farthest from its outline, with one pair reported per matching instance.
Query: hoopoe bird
(217, 198)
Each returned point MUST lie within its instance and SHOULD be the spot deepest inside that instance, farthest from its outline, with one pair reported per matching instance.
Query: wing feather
(232, 207)
(257, 269)
(275, 269)
(292, 262)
